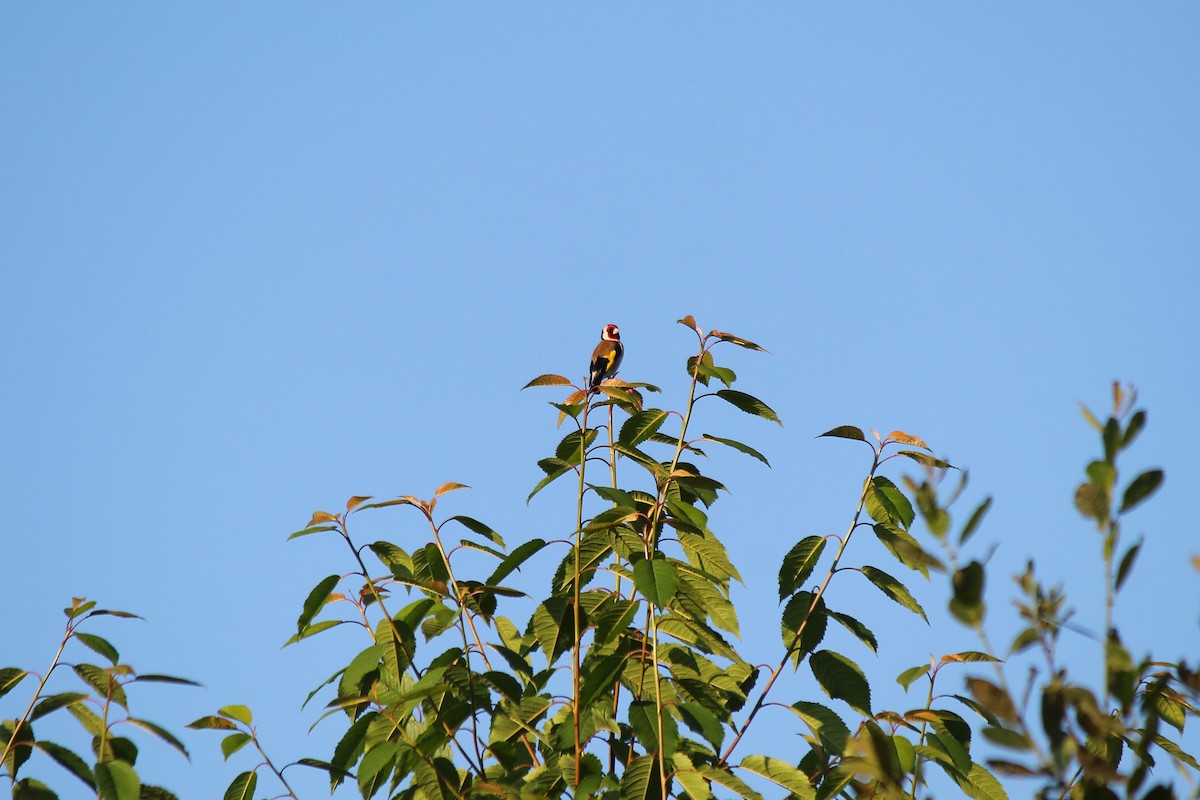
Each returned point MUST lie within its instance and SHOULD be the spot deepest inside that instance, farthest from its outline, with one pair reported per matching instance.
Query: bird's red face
(612, 333)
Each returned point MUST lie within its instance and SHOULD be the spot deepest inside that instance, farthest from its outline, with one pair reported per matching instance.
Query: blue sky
(255, 260)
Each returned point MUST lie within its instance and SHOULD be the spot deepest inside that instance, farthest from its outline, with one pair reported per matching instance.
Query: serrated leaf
(475, 526)
(730, 781)
(99, 645)
(242, 787)
(924, 459)
(799, 564)
(212, 723)
(845, 432)
(894, 589)
(860, 631)
(161, 733)
(900, 437)
(736, 445)
(9, 678)
(738, 340)
(749, 404)
(1141, 488)
(316, 600)
(54, 702)
(641, 426)
(886, 503)
(68, 760)
(237, 712)
(656, 579)
(912, 674)
(781, 773)
(841, 679)
(547, 380)
(827, 727)
(116, 780)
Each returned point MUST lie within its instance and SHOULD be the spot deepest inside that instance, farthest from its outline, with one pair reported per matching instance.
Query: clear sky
(255, 259)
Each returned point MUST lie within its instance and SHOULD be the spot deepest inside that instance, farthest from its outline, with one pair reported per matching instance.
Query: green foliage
(99, 709)
(622, 681)
(621, 677)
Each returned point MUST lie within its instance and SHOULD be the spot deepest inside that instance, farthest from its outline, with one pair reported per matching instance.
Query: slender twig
(844, 541)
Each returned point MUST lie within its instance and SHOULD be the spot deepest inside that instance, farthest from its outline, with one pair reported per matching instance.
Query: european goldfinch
(606, 358)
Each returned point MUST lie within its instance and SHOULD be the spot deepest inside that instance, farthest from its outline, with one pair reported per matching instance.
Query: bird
(606, 358)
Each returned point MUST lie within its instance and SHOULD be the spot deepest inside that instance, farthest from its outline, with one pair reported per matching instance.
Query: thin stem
(577, 645)
(845, 540)
(12, 742)
(270, 765)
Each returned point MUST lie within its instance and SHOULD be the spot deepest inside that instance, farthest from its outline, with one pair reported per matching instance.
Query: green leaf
(1141, 488)
(1127, 564)
(860, 631)
(742, 448)
(99, 645)
(116, 780)
(573, 445)
(475, 526)
(641, 426)
(153, 678)
(907, 550)
(547, 380)
(703, 722)
(212, 723)
(894, 589)
(799, 563)
(242, 787)
(886, 503)
(238, 712)
(515, 559)
(979, 784)
(924, 459)
(640, 780)
(841, 679)
(967, 604)
(551, 476)
(312, 530)
(55, 702)
(739, 341)
(749, 404)
(796, 613)
(781, 773)
(32, 789)
(105, 684)
(234, 742)
(9, 678)
(316, 600)
(827, 728)
(160, 732)
(693, 783)
(912, 674)
(375, 766)
(845, 432)
(1136, 423)
(727, 779)
(973, 523)
(656, 579)
(68, 760)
